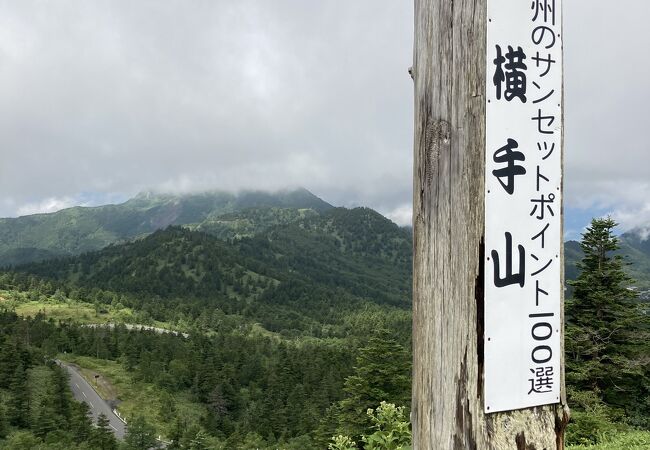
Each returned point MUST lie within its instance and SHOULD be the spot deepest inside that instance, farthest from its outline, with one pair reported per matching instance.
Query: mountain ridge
(231, 216)
(80, 229)
(634, 250)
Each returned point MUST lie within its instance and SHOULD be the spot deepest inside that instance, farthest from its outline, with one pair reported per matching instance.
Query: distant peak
(144, 195)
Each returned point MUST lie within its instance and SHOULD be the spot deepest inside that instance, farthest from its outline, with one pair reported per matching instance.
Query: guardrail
(119, 416)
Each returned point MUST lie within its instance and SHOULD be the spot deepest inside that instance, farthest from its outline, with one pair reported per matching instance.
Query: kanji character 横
(510, 68)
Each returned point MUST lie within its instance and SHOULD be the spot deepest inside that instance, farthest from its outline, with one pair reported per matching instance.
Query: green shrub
(392, 431)
(592, 421)
(342, 443)
(631, 440)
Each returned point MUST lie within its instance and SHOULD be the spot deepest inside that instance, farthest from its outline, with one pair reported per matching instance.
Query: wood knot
(436, 137)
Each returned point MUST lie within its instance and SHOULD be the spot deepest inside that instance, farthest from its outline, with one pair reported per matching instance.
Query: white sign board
(523, 190)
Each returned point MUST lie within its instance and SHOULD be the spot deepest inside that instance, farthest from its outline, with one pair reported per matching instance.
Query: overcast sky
(102, 99)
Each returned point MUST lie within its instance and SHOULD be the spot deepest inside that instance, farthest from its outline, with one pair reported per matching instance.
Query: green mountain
(82, 229)
(358, 249)
(635, 252)
(313, 238)
(296, 275)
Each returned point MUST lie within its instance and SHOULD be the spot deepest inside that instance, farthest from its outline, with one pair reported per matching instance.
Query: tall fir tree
(381, 373)
(46, 420)
(4, 426)
(18, 406)
(607, 333)
(140, 434)
(60, 396)
(80, 422)
(102, 438)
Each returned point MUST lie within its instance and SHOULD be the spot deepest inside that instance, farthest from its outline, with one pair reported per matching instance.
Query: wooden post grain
(448, 219)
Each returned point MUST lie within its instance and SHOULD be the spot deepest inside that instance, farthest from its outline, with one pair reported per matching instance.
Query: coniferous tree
(199, 441)
(167, 407)
(46, 420)
(3, 422)
(177, 433)
(607, 334)
(18, 406)
(80, 421)
(102, 438)
(60, 396)
(381, 373)
(140, 434)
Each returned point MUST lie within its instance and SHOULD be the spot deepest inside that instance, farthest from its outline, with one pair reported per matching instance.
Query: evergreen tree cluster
(249, 384)
(37, 410)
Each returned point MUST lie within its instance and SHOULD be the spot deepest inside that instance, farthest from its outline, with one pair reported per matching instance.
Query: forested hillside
(308, 276)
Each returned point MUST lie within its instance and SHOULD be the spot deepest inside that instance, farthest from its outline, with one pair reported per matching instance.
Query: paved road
(84, 392)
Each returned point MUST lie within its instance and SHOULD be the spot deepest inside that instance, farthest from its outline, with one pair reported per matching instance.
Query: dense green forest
(250, 385)
(297, 322)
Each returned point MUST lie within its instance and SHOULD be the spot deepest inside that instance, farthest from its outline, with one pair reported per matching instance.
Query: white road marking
(91, 404)
(84, 394)
(77, 386)
(112, 427)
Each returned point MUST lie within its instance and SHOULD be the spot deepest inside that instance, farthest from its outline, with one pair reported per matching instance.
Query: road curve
(84, 392)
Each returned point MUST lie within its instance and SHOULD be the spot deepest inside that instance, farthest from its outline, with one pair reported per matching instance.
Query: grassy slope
(29, 304)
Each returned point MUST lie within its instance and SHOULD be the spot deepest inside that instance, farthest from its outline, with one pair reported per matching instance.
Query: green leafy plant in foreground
(392, 431)
(341, 442)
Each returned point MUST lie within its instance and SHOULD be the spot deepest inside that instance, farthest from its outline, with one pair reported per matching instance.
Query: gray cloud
(607, 96)
(103, 99)
(175, 95)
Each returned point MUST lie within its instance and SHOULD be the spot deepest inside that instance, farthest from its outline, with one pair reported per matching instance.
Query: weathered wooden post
(487, 312)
